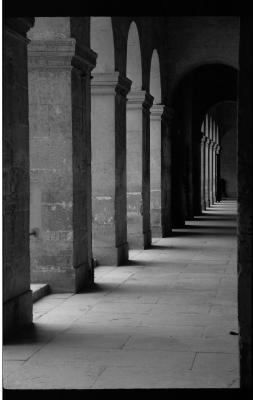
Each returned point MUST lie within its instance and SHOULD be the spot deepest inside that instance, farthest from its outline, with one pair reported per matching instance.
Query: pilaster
(60, 164)
(138, 168)
(166, 167)
(109, 92)
(155, 169)
(203, 172)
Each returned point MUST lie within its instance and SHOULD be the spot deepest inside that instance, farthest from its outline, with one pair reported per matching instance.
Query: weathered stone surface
(59, 105)
(155, 170)
(108, 124)
(17, 308)
(138, 169)
(139, 330)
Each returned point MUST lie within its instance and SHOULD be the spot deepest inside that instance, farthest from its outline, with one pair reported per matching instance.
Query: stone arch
(134, 69)
(102, 42)
(195, 66)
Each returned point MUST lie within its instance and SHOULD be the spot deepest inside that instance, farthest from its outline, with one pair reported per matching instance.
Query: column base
(17, 313)
(60, 280)
(156, 231)
(139, 240)
(111, 255)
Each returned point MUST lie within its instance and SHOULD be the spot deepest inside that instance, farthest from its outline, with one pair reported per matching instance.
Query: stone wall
(228, 161)
(17, 297)
(60, 155)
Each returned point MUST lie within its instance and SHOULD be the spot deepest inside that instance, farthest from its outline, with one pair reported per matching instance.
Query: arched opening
(155, 147)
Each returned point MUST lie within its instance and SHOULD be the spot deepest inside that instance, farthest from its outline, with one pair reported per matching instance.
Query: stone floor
(163, 321)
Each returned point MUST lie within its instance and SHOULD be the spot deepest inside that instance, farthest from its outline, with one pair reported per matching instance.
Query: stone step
(39, 290)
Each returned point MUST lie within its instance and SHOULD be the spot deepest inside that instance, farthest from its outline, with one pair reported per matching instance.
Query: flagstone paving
(163, 321)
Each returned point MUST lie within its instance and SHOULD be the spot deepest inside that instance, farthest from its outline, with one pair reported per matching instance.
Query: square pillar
(207, 172)
(203, 172)
(138, 169)
(108, 127)
(17, 296)
(217, 174)
(211, 172)
(166, 173)
(60, 164)
(155, 170)
(214, 171)
(212, 181)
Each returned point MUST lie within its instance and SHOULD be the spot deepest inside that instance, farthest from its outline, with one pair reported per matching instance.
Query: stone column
(17, 296)
(60, 164)
(207, 168)
(217, 181)
(166, 166)
(245, 200)
(138, 169)
(213, 170)
(155, 169)
(203, 172)
(108, 129)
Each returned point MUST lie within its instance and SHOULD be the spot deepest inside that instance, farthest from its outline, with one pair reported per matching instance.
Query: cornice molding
(60, 54)
(109, 83)
(137, 99)
(156, 111)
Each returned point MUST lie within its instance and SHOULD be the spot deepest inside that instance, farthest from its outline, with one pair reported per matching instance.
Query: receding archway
(225, 115)
(199, 90)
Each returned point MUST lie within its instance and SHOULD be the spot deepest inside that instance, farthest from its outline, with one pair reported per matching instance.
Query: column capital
(168, 114)
(139, 98)
(156, 111)
(203, 139)
(63, 54)
(109, 82)
(208, 141)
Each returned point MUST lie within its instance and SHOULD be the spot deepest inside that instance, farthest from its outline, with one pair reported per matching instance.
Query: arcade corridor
(163, 321)
(127, 158)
